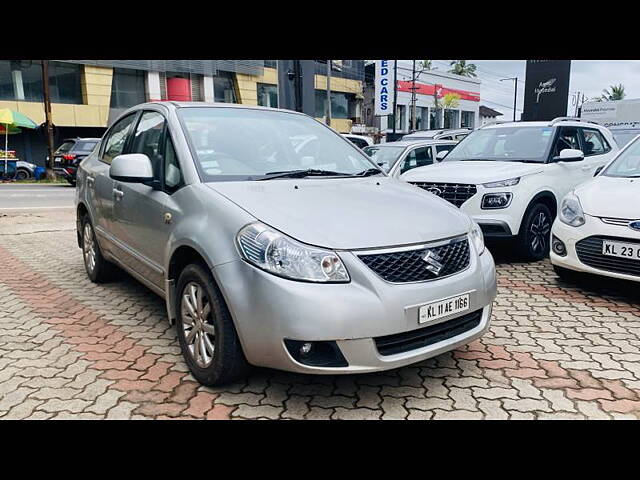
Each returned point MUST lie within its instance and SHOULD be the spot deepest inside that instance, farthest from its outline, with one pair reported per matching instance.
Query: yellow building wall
(96, 95)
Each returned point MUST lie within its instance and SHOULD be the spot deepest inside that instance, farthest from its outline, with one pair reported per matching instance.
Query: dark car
(69, 155)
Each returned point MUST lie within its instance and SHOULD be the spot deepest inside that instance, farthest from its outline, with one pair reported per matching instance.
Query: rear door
(417, 157)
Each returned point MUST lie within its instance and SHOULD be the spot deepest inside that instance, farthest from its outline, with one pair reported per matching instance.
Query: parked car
(69, 155)
(25, 170)
(359, 141)
(271, 257)
(442, 134)
(510, 177)
(598, 226)
(396, 158)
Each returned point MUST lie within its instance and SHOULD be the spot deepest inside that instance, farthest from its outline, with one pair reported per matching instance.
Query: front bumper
(593, 227)
(268, 309)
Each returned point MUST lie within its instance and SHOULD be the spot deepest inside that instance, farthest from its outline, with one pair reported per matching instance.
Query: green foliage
(460, 67)
(614, 92)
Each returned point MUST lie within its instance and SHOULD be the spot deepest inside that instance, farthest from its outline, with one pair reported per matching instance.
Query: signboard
(424, 89)
(622, 117)
(546, 89)
(384, 85)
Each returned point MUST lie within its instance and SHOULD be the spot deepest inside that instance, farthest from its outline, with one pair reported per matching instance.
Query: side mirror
(440, 155)
(131, 168)
(569, 155)
(598, 170)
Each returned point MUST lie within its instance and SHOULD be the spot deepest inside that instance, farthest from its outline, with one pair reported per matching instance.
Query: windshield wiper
(368, 172)
(309, 172)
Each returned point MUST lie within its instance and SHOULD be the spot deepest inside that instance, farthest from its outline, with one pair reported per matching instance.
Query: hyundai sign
(384, 83)
(546, 89)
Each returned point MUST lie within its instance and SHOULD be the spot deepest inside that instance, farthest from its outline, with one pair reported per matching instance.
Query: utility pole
(328, 93)
(395, 95)
(47, 115)
(515, 95)
(413, 97)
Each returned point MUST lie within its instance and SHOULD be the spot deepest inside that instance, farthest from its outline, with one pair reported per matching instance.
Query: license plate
(621, 249)
(442, 308)
(57, 159)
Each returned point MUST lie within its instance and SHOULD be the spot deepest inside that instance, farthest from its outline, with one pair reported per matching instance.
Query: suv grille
(411, 266)
(589, 252)
(456, 193)
(422, 337)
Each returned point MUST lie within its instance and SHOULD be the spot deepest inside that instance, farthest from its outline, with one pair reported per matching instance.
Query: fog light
(305, 349)
(492, 201)
(558, 246)
(316, 354)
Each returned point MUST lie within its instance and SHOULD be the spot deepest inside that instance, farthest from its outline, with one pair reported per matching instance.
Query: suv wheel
(98, 269)
(22, 174)
(534, 237)
(206, 333)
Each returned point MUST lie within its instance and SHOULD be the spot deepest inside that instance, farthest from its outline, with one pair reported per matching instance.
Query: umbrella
(12, 121)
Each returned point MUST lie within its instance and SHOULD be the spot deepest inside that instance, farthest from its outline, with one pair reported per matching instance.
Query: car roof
(550, 123)
(76, 139)
(406, 143)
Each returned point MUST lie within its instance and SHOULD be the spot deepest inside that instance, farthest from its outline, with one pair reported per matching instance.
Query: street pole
(515, 96)
(328, 93)
(413, 97)
(395, 95)
(47, 115)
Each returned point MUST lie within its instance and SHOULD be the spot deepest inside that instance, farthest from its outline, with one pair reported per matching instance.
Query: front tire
(22, 174)
(98, 269)
(535, 233)
(207, 336)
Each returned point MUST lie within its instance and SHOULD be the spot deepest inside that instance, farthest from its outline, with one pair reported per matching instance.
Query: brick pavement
(73, 349)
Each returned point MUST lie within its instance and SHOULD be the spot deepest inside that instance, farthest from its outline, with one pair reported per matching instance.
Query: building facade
(430, 113)
(488, 115)
(88, 95)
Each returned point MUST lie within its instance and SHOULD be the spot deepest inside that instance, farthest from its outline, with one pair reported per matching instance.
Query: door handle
(118, 194)
(91, 182)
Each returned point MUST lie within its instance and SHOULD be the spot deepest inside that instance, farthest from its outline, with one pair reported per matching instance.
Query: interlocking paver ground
(73, 349)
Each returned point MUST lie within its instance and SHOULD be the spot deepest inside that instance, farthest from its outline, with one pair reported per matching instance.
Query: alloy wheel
(197, 324)
(89, 247)
(540, 229)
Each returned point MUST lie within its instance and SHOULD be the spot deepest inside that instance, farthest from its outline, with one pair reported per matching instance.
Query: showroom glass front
(22, 80)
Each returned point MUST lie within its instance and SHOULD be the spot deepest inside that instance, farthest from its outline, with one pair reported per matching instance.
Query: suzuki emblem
(433, 262)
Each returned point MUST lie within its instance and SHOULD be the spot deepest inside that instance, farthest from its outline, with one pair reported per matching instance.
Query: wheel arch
(81, 211)
(547, 198)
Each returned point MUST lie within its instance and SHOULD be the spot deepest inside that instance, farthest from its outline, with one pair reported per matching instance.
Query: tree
(451, 100)
(614, 92)
(426, 65)
(460, 67)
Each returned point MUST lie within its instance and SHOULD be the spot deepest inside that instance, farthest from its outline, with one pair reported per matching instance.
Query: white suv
(510, 177)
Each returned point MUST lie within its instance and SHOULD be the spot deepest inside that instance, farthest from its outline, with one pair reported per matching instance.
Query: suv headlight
(571, 211)
(502, 183)
(477, 238)
(492, 201)
(276, 253)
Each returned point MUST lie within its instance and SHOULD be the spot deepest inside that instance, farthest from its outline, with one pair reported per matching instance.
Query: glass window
(267, 95)
(117, 138)
(444, 148)
(64, 82)
(172, 172)
(271, 63)
(242, 144)
(358, 142)
(384, 156)
(568, 138)
(339, 104)
(147, 139)
(223, 88)
(418, 157)
(66, 146)
(127, 88)
(22, 80)
(86, 145)
(594, 143)
(627, 164)
(519, 144)
(450, 118)
(435, 116)
(466, 119)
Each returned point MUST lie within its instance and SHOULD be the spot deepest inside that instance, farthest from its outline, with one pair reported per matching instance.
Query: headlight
(502, 183)
(276, 253)
(571, 211)
(477, 238)
(491, 201)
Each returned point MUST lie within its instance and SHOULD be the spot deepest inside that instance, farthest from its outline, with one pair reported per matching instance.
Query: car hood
(348, 213)
(474, 172)
(610, 197)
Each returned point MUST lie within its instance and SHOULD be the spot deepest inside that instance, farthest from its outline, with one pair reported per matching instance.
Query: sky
(587, 76)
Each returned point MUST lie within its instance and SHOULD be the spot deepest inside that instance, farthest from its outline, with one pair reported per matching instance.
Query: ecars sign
(384, 82)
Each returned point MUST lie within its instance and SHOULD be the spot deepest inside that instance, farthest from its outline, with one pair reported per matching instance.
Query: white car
(511, 177)
(359, 141)
(442, 134)
(396, 158)
(598, 226)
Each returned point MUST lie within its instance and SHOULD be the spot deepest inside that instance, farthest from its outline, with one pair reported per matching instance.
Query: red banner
(423, 89)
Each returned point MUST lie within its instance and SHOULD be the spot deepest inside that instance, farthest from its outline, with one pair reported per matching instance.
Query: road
(72, 349)
(15, 197)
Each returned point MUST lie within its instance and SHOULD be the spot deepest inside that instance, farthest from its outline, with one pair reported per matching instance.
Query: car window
(418, 157)
(117, 138)
(86, 145)
(568, 137)
(385, 157)
(172, 173)
(594, 143)
(460, 136)
(627, 164)
(358, 142)
(444, 148)
(147, 139)
(65, 147)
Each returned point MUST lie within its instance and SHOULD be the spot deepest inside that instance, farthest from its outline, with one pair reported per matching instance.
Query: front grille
(422, 337)
(589, 252)
(623, 222)
(411, 266)
(456, 193)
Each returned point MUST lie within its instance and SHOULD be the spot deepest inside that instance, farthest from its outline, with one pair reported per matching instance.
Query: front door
(568, 174)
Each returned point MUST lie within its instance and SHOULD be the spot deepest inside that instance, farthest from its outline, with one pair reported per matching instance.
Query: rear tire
(207, 336)
(535, 233)
(98, 269)
(22, 174)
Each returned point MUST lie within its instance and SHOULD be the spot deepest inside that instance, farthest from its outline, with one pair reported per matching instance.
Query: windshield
(506, 144)
(387, 156)
(65, 147)
(247, 144)
(627, 164)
